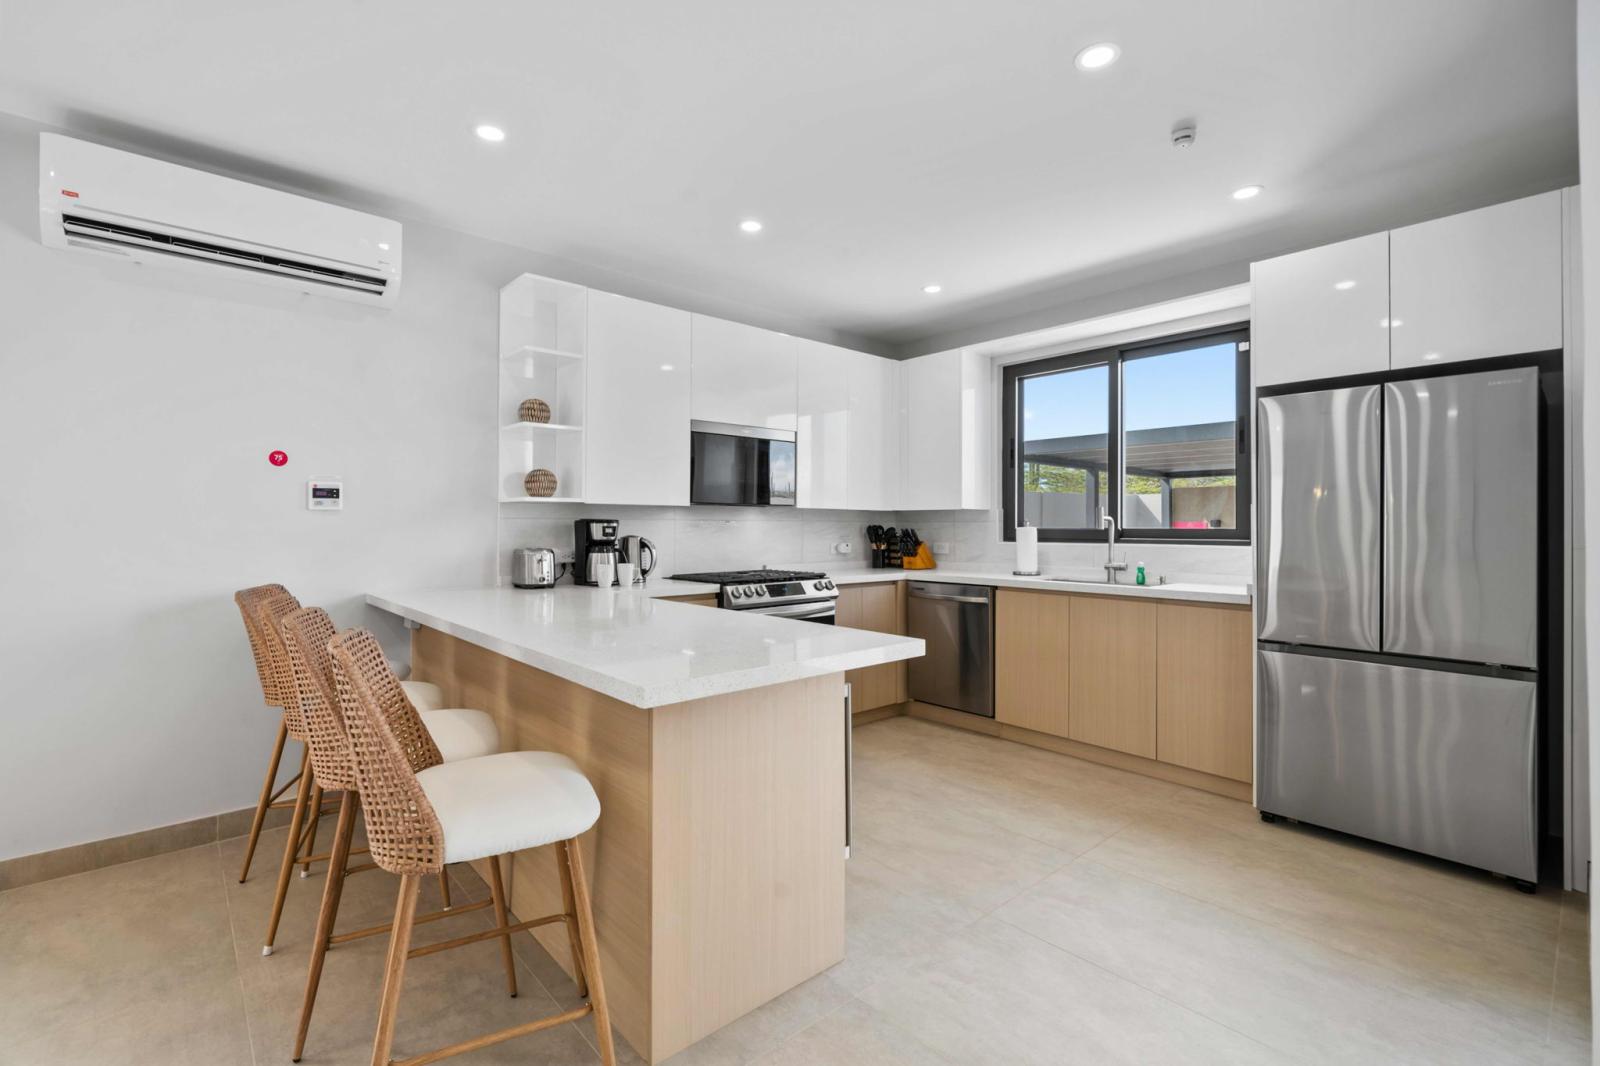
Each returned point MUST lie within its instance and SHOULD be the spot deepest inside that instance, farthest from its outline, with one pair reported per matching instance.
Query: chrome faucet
(1112, 567)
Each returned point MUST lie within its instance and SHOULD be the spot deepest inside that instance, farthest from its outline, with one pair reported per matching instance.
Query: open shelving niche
(543, 335)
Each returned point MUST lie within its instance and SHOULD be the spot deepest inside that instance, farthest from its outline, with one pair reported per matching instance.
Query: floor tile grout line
(1154, 992)
(238, 965)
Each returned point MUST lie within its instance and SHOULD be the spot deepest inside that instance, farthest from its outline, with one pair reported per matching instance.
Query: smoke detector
(1183, 135)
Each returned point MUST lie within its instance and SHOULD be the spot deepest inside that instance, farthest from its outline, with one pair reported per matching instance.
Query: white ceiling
(885, 144)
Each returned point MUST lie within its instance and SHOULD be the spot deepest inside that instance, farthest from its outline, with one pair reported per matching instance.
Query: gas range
(802, 594)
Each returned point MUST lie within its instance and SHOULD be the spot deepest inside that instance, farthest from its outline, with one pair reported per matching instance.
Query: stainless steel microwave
(746, 466)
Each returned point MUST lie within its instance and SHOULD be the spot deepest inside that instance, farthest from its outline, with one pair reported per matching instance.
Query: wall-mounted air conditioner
(99, 199)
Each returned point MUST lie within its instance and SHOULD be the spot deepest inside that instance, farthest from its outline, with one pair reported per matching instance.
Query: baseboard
(1178, 775)
(113, 851)
(878, 714)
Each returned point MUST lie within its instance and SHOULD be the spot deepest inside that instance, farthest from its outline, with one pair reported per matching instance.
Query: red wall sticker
(277, 458)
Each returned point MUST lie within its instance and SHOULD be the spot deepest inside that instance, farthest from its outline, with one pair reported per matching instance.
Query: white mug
(627, 574)
(605, 573)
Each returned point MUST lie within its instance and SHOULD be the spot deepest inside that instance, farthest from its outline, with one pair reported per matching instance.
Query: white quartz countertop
(1066, 582)
(638, 649)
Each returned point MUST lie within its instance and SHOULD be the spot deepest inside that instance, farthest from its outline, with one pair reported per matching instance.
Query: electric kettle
(641, 552)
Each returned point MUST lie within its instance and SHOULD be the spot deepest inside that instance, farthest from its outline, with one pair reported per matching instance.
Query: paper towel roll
(1027, 550)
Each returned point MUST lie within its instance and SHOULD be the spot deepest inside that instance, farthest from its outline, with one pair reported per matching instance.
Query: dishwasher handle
(917, 594)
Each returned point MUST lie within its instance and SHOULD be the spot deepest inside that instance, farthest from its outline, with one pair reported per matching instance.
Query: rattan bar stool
(268, 611)
(457, 732)
(423, 812)
(248, 601)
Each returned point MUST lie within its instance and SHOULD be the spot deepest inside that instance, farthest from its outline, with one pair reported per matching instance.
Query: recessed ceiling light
(1098, 56)
(750, 225)
(1345, 285)
(1248, 192)
(932, 289)
(384, 245)
(1430, 357)
(666, 366)
(491, 133)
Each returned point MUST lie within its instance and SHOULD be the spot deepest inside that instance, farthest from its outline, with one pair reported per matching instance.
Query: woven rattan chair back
(306, 633)
(270, 611)
(246, 600)
(389, 745)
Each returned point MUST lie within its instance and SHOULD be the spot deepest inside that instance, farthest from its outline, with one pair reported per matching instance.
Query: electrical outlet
(941, 547)
(564, 555)
(844, 547)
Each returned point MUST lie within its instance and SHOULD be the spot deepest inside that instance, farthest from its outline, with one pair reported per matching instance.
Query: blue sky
(1178, 389)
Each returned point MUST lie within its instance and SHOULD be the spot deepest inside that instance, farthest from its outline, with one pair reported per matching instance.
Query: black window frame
(1114, 357)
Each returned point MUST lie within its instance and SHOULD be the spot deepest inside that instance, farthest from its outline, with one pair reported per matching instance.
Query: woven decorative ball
(534, 410)
(540, 482)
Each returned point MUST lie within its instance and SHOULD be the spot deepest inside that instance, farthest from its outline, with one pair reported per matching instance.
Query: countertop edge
(898, 649)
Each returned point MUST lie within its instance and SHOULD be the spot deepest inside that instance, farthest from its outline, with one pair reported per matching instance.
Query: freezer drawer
(1317, 523)
(1461, 517)
(1439, 762)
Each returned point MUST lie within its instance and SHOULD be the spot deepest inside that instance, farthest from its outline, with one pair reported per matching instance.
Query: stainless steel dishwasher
(957, 623)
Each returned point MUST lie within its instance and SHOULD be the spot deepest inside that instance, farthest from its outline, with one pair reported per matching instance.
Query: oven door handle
(795, 610)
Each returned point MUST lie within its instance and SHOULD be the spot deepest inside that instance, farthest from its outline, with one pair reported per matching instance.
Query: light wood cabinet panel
(1032, 666)
(880, 608)
(1203, 716)
(709, 600)
(1111, 685)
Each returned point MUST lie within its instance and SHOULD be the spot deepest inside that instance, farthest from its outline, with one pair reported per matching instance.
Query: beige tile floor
(1006, 905)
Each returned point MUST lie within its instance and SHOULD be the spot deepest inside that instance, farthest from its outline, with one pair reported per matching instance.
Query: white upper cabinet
(1478, 284)
(947, 455)
(873, 435)
(638, 402)
(744, 375)
(822, 434)
(1321, 313)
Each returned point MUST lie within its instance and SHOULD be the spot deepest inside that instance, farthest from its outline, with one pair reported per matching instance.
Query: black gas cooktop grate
(748, 577)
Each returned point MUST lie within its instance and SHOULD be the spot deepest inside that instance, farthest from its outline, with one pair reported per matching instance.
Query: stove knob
(760, 591)
(829, 584)
(817, 585)
(735, 593)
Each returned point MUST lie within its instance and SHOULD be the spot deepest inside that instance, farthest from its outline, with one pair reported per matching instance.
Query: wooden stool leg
(343, 830)
(290, 850)
(591, 952)
(405, 910)
(266, 801)
(571, 924)
(444, 887)
(498, 891)
(316, 820)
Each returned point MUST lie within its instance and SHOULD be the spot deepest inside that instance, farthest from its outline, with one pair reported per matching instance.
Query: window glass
(1179, 439)
(1065, 455)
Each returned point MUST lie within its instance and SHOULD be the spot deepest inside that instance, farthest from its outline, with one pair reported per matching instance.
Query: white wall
(1588, 43)
(137, 408)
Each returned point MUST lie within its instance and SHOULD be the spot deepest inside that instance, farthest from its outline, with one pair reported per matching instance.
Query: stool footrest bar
(487, 934)
(432, 916)
(490, 1039)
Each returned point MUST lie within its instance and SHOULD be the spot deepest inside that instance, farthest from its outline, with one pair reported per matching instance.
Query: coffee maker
(594, 540)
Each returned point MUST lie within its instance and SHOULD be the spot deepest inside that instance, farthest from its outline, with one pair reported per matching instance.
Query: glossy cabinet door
(1111, 685)
(873, 434)
(1321, 313)
(1203, 685)
(1477, 284)
(822, 434)
(948, 453)
(1031, 661)
(637, 420)
(743, 375)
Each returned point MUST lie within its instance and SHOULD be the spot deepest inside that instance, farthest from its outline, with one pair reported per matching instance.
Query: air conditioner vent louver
(141, 210)
(101, 232)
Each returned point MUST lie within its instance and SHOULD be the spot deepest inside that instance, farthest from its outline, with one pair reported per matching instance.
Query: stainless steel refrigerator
(1398, 614)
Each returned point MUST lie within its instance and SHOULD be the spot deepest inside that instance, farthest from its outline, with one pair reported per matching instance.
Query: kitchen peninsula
(717, 745)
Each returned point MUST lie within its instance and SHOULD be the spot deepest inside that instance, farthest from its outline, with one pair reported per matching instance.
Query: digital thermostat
(322, 495)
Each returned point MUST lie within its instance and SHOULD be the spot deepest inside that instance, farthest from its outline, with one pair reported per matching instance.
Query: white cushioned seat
(460, 733)
(508, 802)
(424, 695)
